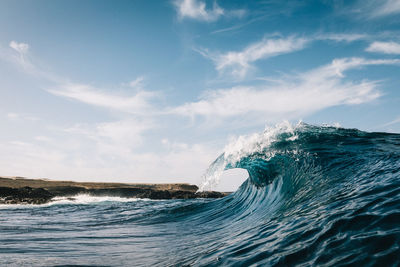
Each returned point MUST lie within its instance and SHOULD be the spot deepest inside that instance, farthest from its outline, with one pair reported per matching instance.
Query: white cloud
(137, 83)
(124, 131)
(342, 37)
(116, 138)
(21, 117)
(187, 160)
(384, 47)
(21, 48)
(137, 103)
(20, 158)
(121, 148)
(338, 66)
(19, 55)
(121, 135)
(12, 116)
(292, 97)
(20, 58)
(390, 123)
(127, 131)
(196, 9)
(239, 63)
(103, 159)
(385, 8)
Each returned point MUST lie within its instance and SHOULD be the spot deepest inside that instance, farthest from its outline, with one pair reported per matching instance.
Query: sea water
(324, 196)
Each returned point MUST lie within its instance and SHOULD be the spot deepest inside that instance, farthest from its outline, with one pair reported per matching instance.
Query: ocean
(315, 196)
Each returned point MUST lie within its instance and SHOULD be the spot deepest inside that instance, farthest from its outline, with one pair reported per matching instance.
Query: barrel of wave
(223, 172)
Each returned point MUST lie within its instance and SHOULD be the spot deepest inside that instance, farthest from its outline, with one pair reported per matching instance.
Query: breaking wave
(316, 195)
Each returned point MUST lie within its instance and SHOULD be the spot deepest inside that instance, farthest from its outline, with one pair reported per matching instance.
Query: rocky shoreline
(36, 191)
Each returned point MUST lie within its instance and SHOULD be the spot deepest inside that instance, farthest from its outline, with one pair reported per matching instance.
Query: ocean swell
(316, 195)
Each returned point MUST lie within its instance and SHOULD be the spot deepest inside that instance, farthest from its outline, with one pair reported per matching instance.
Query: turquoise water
(315, 196)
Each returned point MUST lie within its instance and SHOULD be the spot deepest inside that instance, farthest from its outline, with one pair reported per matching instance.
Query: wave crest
(254, 153)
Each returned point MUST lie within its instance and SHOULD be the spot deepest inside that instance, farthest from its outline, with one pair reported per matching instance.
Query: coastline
(20, 190)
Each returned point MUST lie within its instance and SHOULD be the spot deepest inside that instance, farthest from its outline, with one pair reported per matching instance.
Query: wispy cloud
(21, 117)
(392, 122)
(87, 147)
(238, 63)
(20, 55)
(21, 48)
(375, 9)
(197, 10)
(104, 161)
(342, 37)
(137, 103)
(237, 26)
(292, 97)
(384, 47)
(137, 83)
(113, 148)
(339, 66)
(115, 137)
(385, 8)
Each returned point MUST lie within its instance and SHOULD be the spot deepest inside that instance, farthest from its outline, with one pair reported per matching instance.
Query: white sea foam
(78, 199)
(88, 199)
(246, 145)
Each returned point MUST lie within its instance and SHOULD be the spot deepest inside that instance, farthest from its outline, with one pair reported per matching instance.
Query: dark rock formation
(24, 195)
(129, 192)
(19, 193)
(211, 194)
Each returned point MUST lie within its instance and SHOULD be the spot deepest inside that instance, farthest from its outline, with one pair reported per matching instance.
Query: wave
(252, 153)
(316, 189)
(315, 195)
(288, 150)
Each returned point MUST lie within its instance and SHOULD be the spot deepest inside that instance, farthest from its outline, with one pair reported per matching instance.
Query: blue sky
(152, 91)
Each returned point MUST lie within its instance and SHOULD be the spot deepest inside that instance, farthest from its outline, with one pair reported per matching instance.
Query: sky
(152, 91)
